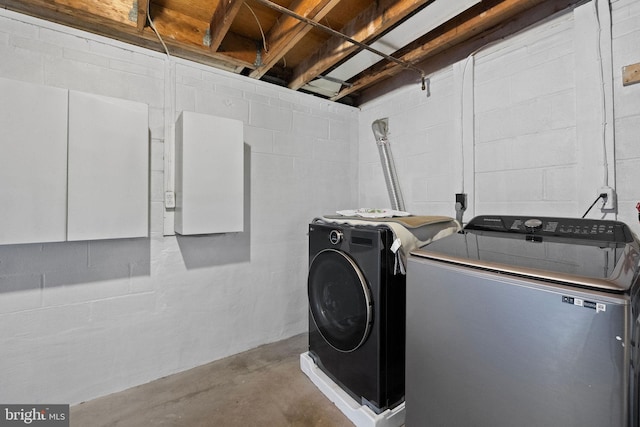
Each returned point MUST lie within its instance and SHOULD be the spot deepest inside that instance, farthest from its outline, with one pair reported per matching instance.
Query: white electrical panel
(33, 163)
(209, 174)
(108, 168)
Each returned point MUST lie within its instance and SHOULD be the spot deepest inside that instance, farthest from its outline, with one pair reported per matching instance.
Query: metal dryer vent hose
(380, 131)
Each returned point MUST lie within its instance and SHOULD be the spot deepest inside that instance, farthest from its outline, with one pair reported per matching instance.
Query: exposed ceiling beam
(179, 28)
(365, 27)
(75, 14)
(240, 48)
(70, 16)
(340, 35)
(284, 36)
(143, 7)
(221, 21)
(460, 29)
(201, 31)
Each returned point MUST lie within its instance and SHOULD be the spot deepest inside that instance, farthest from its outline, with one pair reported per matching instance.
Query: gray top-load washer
(521, 321)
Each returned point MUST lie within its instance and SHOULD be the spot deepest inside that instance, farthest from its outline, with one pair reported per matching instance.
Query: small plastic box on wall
(209, 174)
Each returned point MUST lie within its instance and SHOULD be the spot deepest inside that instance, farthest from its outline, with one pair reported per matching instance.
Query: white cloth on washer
(373, 213)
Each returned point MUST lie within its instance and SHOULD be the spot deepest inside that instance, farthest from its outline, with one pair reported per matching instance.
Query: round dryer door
(339, 300)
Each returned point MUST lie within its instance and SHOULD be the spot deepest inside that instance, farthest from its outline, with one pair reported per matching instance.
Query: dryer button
(335, 236)
(533, 224)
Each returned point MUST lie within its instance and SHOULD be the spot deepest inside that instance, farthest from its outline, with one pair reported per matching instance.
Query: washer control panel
(577, 228)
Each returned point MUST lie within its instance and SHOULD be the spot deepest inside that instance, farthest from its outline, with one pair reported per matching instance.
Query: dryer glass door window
(339, 300)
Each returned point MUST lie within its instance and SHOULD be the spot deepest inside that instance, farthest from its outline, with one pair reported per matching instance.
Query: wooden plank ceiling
(267, 39)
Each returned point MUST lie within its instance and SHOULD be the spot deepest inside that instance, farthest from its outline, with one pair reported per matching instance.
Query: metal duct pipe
(380, 131)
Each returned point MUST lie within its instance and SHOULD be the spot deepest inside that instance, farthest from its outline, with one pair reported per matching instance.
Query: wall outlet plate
(610, 202)
(169, 200)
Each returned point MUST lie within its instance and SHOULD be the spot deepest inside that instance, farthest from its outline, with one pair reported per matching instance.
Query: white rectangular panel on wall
(33, 163)
(209, 174)
(108, 168)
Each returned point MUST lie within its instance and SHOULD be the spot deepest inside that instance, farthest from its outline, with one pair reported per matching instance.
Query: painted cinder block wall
(84, 319)
(518, 126)
(626, 39)
(80, 320)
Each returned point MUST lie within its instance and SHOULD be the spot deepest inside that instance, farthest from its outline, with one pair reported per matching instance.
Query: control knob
(533, 224)
(335, 236)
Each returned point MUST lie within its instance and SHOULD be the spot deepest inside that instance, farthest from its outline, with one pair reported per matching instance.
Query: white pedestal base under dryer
(358, 414)
(357, 312)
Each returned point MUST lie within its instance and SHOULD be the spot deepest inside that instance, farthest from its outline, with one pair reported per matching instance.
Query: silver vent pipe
(380, 131)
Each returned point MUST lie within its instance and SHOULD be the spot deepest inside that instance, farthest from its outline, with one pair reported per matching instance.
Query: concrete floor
(261, 387)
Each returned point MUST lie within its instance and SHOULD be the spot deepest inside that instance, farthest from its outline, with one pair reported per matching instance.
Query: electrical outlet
(610, 201)
(462, 199)
(169, 200)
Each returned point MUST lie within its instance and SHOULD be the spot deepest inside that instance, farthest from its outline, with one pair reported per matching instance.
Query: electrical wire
(470, 57)
(601, 196)
(155, 30)
(169, 159)
(603, 108)
(264, 39)
(462, 134)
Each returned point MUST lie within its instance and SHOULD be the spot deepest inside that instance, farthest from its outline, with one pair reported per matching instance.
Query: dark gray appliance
(356, 312)
(519, 321)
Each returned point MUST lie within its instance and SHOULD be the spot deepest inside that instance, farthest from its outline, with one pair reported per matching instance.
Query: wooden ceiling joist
(463, 28)
(79, 19)
(367, 26)
(143, 8)
(290, 31)
(221, 21)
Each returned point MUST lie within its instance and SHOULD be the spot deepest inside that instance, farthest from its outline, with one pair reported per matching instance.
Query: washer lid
(591, 253)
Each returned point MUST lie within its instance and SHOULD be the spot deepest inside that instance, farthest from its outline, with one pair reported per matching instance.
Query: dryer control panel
(538, 227)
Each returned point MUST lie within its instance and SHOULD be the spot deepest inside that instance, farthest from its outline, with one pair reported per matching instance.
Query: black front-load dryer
(357, 312)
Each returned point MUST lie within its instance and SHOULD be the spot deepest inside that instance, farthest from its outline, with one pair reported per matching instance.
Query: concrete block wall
(533, 106)
(80, 320)
(525, 126)
(626, 39)
(422, 143)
